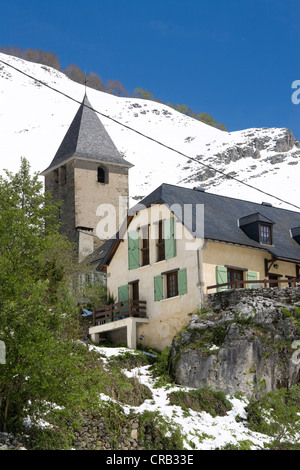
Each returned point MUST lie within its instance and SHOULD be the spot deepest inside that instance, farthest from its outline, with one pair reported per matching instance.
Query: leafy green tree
(207, 119)
(39, 321)
(221, 127)
(182, 108)
(277, 414)
(143, 94)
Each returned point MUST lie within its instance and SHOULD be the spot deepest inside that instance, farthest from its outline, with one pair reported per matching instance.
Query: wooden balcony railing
(118, 311)
(239, 283)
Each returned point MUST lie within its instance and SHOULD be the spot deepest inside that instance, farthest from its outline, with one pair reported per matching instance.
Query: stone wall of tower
(61, 183)
(92, 197)
(85, 202)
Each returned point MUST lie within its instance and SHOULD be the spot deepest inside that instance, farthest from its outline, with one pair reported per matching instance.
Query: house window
(166, 243)
(232, 275)
(101, 175)
(161, 242)
(135, 290)
(273, 280)
(290, 279)
(145, 245)
(265, 234)
(172, 284)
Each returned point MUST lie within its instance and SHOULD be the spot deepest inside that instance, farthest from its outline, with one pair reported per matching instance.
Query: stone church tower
(87, 172)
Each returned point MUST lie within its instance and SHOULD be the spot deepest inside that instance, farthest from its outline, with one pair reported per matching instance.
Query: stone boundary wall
(9, 442)
(94, 435)
(224, 299)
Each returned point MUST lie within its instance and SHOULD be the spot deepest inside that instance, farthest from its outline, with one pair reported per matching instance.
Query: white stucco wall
(168, 316)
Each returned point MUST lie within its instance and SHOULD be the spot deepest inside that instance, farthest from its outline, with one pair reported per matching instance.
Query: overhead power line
(228, 176)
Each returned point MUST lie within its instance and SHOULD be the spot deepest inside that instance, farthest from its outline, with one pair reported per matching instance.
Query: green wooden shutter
(251, 276)
(169, 234)
(221, 276)
(182, 284)
(133, 250)
(158, 288)
(123, 293)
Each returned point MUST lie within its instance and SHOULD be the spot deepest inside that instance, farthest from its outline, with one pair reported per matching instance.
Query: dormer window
(265, 234)
(257, 227)
(295, 234)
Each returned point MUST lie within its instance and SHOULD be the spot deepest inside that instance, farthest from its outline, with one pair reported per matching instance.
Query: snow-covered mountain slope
(34, 120)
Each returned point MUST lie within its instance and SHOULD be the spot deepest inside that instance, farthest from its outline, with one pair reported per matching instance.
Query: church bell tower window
(63, 175)
(102, 175)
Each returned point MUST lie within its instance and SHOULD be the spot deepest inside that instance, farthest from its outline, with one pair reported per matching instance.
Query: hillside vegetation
(59, 391)
(93, 80)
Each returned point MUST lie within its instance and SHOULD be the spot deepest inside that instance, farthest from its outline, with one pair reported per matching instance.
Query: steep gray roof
(222, 217)
(87, 138)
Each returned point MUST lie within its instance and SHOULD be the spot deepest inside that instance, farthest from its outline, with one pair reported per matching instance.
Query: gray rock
(255, 338)
(278, 158)
(256, 154)
(286, 142)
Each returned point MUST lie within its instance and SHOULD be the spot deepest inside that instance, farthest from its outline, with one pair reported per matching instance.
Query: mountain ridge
(33, 124)
(115, 87)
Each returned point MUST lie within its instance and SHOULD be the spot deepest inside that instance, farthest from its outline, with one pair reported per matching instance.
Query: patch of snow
(34, 120)
(201, 429)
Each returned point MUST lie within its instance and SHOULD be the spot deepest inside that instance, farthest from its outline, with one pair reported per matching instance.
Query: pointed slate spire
(87, 138)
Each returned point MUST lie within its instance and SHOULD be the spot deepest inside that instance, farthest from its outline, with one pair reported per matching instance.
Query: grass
(203, 399)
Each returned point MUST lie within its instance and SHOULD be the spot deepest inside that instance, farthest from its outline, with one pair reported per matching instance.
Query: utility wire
(151, 138)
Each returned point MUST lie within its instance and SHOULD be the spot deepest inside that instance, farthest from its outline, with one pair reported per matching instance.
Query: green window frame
(171, 291)
(133, 250)
(221, 277)
(170, 242)
(182, 282)
(158, 288)
(251, 276)
(123, 293)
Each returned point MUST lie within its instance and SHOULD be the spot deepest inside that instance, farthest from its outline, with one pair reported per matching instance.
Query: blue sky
(233, 59)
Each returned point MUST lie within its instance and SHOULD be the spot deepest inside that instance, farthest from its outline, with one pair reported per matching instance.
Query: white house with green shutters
(177, 246)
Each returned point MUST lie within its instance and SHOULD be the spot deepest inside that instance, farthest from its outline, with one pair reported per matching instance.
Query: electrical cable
(152, 139)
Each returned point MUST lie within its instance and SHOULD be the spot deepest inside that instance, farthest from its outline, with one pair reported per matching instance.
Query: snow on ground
(204, 431)
(34, 120)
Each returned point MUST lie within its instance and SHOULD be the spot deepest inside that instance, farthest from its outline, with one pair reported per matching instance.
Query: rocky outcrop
(273, 146)
(243, 341)
(285, 142)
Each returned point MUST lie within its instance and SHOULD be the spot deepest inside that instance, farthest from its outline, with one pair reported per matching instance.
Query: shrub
(157, 433)
(162, 368)
(277, 414)
(203, 399)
